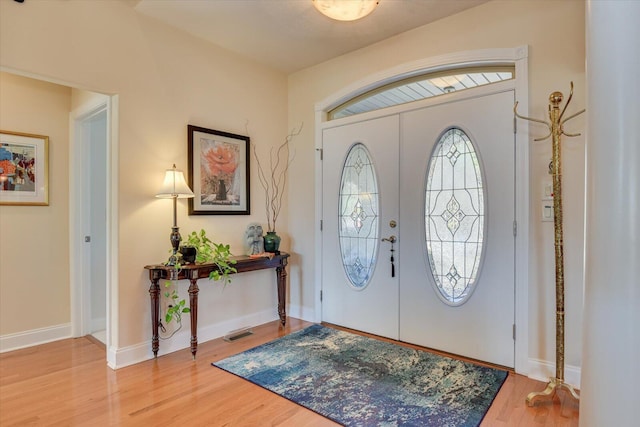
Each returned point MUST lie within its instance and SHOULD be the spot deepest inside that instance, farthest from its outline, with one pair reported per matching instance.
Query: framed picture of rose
(24, 162)
(218, 172)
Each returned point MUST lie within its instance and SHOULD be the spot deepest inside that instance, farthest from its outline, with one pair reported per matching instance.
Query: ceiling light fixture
(345, 10)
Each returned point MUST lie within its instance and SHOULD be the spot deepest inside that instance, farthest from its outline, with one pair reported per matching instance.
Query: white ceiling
(290, 35)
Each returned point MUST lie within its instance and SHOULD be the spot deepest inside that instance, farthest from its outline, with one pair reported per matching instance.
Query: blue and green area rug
(361, 381)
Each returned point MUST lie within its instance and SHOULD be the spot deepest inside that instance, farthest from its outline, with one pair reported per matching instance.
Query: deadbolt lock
(393, 223)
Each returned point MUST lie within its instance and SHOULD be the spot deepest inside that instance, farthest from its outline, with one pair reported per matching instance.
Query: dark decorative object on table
(272, 242)
(188, 254)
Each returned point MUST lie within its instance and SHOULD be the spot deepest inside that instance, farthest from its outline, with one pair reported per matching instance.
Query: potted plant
(188, 252)
(206, 251)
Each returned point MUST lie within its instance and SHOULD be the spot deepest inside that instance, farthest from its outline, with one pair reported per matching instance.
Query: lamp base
(175, 239)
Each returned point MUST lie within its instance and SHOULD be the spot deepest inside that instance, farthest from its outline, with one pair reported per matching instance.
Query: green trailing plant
(207, 251)
(211, 252)
(176, 308)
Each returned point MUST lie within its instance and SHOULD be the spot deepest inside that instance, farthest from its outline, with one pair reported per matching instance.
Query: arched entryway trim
(516, 57)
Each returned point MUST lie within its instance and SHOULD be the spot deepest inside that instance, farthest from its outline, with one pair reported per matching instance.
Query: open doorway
(94, 146)
(89, 214)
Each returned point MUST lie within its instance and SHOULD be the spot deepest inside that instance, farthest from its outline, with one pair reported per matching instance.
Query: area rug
(360, 381)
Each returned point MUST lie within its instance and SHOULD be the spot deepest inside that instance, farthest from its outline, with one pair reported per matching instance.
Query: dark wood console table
(194, 272)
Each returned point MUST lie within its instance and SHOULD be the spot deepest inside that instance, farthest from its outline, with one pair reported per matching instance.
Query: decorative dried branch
(274, 180)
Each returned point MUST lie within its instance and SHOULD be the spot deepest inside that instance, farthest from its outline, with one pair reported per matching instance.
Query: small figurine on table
(253, 240)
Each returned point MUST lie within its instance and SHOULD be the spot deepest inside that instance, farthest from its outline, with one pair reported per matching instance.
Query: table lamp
(174, 187)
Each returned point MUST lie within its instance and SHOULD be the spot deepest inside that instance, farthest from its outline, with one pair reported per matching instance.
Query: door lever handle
(391, 239)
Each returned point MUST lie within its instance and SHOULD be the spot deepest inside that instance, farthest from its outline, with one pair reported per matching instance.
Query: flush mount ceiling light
(345, 10)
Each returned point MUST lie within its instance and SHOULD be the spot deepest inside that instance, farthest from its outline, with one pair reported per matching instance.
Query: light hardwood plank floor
(67, 383)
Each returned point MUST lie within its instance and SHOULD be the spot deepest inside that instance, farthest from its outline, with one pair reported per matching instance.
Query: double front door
(418, 220)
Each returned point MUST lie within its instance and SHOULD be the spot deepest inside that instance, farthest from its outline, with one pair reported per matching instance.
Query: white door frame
(518, 57)
(83, 255)
(77, 212)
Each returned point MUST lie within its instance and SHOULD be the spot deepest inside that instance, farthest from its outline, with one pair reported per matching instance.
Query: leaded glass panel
(358, 212)
(454, 216)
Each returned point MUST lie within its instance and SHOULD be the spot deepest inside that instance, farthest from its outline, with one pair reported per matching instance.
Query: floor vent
(237, 334)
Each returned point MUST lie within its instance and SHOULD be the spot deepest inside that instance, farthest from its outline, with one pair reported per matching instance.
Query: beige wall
(165, 80)
(554, 60)
(34, 247)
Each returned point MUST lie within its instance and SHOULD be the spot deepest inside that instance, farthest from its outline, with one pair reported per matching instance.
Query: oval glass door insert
(455, 216)
(358, 211)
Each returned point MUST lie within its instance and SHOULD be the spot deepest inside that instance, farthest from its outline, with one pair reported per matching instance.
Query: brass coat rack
(555, 131)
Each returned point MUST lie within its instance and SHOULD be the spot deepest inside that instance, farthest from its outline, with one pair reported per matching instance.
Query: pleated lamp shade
(174, 185)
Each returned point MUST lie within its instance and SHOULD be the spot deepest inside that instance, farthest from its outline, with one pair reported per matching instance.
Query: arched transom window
(421, 87)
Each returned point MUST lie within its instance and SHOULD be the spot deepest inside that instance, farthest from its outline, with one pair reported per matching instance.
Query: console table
(194, 272)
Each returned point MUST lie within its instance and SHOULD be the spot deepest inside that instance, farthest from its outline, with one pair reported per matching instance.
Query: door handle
(391, 239)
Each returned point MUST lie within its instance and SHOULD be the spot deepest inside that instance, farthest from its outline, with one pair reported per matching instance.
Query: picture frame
(24, 169)
(218, 172)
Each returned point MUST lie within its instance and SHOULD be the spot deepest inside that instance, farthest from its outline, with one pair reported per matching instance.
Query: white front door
(481, 327)
(359, 203)
(402, 300)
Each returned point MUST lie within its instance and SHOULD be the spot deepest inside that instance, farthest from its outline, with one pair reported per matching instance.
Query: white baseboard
(303, 313)
(125, 356)
(542, 370)
(121, 357)
(33, 337)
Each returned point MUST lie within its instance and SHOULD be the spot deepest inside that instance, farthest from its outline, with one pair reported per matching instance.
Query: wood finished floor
(67, 383)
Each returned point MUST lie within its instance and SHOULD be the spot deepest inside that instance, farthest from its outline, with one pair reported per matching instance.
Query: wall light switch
(547, 211)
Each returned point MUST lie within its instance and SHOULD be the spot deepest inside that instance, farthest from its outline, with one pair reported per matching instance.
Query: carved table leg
(154, 293)
(281, 274)
(193, 306)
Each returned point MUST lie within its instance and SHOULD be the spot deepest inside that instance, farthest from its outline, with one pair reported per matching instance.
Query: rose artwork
(221, 159)
(218, 169)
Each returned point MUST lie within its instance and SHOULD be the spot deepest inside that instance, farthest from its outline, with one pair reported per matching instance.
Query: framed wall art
(24, 169)
(218, 172)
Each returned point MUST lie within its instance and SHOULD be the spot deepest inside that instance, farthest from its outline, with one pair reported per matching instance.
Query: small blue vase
(272, 242)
